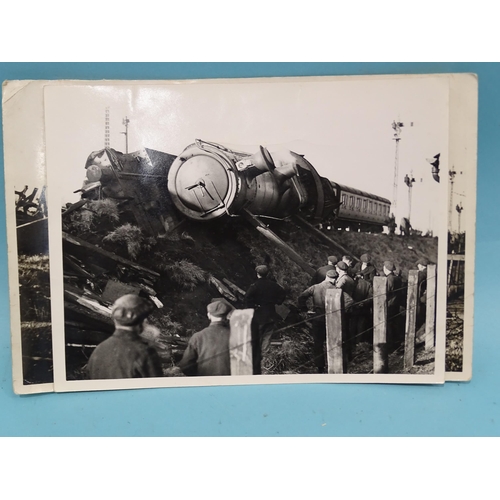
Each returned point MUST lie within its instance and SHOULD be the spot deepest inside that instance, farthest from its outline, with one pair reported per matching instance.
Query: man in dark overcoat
(207, 353)
(362, 313)
(126, 354)
(263, 296)
(321, 272)
(421, 291)
(365, 269)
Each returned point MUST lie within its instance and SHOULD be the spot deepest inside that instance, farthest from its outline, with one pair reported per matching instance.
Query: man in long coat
(207, 353)
(126, 354)
(263, 296)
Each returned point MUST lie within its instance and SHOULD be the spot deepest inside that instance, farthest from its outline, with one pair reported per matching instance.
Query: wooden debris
(75, 266)
(75, 312)
(236, 289)
(87, 302)
(223, 289)
(89, 246)
(74, 207)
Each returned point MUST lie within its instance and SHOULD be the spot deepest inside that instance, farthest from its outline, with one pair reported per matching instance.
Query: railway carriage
(360, 210)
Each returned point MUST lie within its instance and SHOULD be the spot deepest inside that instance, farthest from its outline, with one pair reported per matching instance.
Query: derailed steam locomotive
(207, 181)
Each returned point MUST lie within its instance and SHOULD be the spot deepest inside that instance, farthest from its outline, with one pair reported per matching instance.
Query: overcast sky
(343, 127)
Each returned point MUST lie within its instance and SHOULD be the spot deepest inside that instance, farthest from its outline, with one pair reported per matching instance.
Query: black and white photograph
(287, 228)
(27, 229)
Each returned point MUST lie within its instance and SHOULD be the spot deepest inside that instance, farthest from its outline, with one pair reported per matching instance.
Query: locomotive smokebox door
(201, 184)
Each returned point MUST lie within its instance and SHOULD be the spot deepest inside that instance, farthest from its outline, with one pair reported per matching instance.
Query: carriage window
(371, 207)
(365, 205)
(351, 202)
(358, 204)
(344, 199)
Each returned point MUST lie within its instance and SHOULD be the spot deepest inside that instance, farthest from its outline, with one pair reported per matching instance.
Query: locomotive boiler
(207, 181)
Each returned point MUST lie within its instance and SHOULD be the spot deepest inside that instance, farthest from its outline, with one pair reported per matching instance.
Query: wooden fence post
(411, 319)
(240, 342)
(336, 361)
(430, 308)
(380, 352)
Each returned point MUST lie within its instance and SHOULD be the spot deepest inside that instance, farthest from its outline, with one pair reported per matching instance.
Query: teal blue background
(290, 410)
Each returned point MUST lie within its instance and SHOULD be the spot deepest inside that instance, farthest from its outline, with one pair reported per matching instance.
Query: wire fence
(344, 342)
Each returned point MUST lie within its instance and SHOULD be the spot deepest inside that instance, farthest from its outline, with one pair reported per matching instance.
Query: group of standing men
(127, 354)
(356, 283)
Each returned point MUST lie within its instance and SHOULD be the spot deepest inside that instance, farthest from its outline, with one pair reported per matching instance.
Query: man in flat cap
(318, 331)
(365, 269)
(349, 261)
(207, 353)
(394, 298)
(126, 354)
(321, 272)
(263, 296)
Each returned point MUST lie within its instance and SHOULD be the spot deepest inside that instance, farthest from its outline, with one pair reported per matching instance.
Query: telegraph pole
(397, 133)
(396, 126)
(125, 122)
(409, 180)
